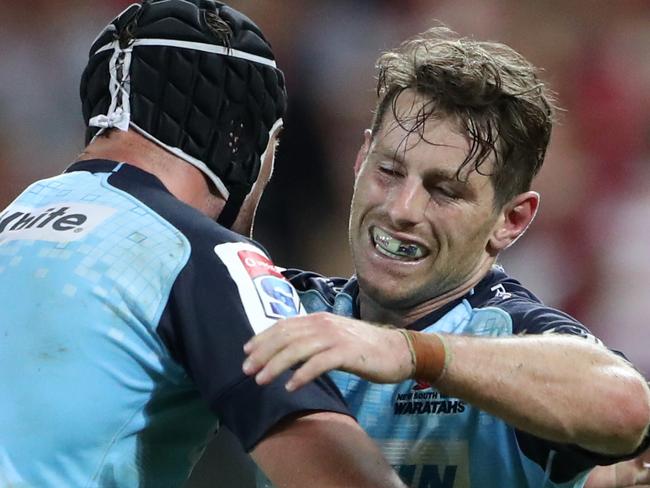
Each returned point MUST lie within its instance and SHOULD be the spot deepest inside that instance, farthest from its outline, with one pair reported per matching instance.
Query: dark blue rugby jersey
(434, 440)
(123, 313)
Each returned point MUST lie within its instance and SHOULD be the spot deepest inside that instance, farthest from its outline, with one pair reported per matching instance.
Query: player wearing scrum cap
(125, 306)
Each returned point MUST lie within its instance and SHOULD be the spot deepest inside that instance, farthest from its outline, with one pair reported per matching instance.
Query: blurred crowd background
(588, 251)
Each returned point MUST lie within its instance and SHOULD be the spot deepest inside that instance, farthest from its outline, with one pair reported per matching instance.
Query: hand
(324, 342)
(635, 472)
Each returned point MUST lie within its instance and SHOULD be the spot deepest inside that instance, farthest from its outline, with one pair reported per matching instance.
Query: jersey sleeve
(226, 293)
(532, 317)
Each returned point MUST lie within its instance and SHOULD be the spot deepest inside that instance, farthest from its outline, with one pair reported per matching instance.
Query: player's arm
(322, 449)
(225, 295)
(558, 387)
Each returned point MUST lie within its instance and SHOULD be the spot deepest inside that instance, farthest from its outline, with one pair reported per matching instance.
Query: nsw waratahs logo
(422, 399)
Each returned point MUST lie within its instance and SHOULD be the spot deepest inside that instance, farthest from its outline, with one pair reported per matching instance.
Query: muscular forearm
(560, 388)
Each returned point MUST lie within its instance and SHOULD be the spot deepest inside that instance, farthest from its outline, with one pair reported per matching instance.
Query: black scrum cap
(194, 76)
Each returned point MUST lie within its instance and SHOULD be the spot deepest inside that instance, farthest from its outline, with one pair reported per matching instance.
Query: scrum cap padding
(211, 98)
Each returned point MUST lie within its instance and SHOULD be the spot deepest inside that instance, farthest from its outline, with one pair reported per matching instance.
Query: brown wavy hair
(494, 93)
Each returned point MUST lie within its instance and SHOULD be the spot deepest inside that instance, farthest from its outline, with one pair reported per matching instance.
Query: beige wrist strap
(430, 355)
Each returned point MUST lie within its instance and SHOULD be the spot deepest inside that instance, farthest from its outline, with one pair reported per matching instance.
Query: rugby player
(477, 383)
(125, 305)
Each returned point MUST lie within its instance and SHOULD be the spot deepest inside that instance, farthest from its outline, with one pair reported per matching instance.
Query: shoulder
(528, 313)
(197, 227)
(327, 288)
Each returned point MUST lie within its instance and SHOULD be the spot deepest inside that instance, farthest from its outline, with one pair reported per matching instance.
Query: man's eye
(389, 171)
(445, 192)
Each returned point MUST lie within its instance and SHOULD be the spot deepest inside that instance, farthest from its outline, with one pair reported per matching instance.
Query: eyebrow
(395, 156)
(437, 173)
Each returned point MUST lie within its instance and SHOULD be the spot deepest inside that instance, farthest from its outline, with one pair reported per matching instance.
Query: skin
(325, 448)
(534, 381)
(419, 202)
(183, 180)
(244, 222)
(635, 472)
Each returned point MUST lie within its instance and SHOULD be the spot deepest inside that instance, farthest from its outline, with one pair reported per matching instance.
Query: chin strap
(119, 111)
(239, 193)
(233, 205)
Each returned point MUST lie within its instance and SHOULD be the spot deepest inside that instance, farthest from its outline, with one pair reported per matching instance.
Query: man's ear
(514, 219)
(363, 151)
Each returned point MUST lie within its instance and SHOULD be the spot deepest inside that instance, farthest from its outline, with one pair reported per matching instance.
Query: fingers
(262, 347)
(317, 365)
(644, 476)
(292, 354)
(287, 343)
(325, 342)
(269, 336)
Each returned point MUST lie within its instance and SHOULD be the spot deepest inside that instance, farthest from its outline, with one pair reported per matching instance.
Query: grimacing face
(416, 231)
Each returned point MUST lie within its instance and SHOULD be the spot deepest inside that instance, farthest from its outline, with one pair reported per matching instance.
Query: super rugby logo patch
(278, 297)
(265, 294)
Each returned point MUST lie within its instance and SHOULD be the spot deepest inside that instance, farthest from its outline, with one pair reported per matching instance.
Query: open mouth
(395, 248)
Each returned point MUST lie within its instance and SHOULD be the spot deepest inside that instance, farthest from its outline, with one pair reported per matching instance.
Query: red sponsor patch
(421, 385)
(258, 265)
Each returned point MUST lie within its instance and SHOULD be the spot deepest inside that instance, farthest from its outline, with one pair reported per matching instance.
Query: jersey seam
(166, 292)
(492, 308)
(112, 442)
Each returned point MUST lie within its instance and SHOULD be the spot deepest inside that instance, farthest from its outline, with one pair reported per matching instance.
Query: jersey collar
(477, 295)
(123, 169)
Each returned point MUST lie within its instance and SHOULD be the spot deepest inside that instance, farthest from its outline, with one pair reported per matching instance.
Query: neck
(373, 311)
(184, 181)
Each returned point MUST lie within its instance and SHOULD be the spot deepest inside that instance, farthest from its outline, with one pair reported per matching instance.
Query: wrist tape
(430, 355)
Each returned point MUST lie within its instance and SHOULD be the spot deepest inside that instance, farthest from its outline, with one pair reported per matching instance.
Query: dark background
(588, 251)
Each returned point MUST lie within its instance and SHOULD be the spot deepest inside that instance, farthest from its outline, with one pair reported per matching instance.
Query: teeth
(392, 247)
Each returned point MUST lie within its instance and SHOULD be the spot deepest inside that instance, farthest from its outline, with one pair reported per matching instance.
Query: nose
(407, 203)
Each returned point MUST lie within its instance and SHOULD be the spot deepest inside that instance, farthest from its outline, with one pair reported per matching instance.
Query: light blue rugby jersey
(122, 318)
(435, 441)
